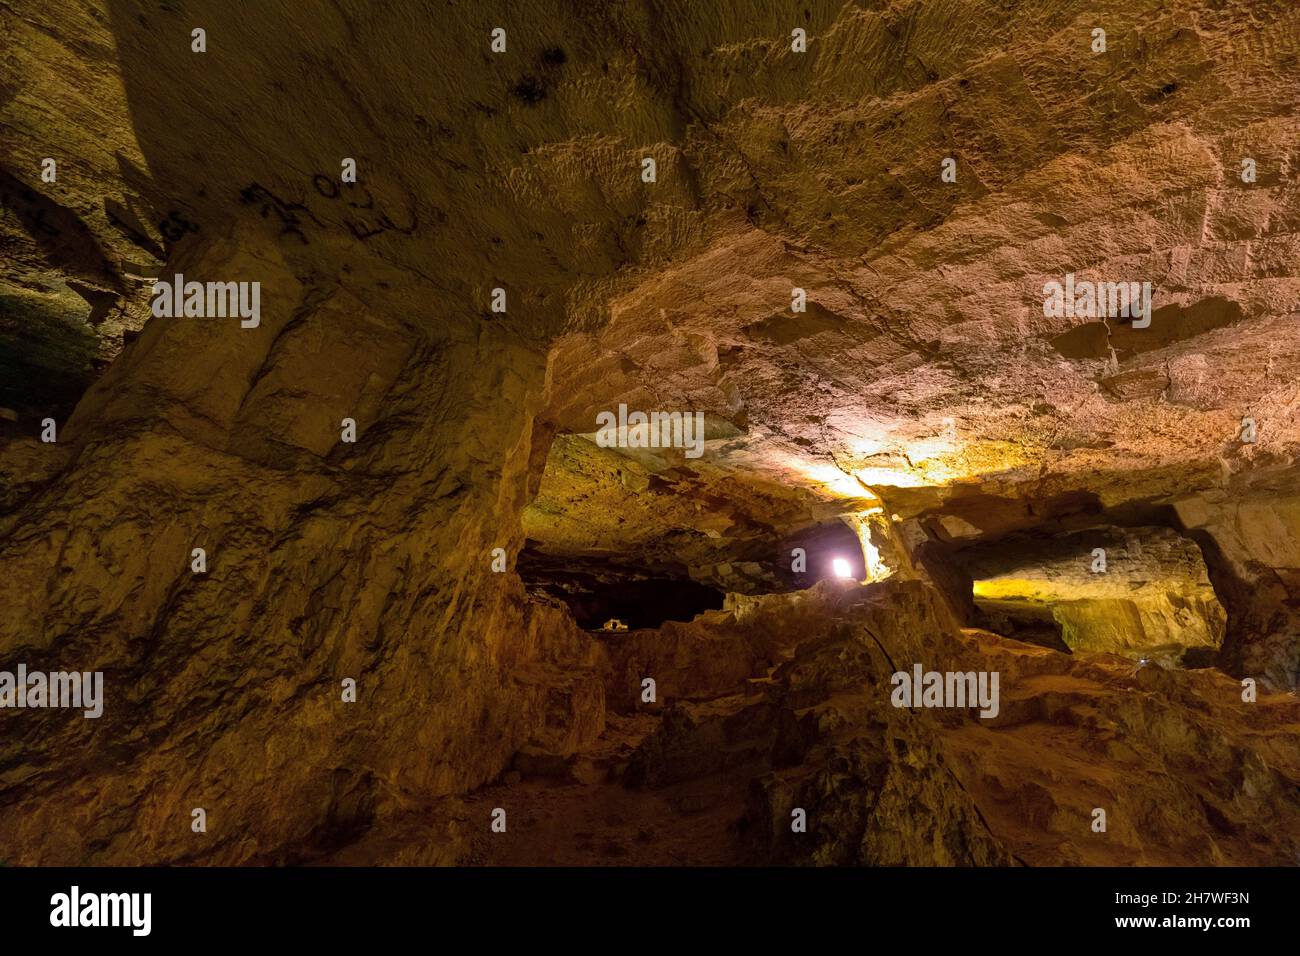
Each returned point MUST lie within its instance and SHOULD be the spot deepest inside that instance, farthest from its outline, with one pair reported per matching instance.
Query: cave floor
(1189, 773)
(580, 816)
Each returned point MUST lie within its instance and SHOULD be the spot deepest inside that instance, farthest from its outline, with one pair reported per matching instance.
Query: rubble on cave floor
(1186, 771)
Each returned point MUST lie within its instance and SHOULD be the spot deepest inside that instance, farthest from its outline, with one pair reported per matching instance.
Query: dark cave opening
(820, 547)
(598, 591)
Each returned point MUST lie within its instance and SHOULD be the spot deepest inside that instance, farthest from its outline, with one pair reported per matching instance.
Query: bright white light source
(841, 568)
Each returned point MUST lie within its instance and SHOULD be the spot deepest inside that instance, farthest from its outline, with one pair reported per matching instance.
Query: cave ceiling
(922, 365)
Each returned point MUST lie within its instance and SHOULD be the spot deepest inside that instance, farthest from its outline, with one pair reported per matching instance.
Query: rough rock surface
(1140, 589)
(922, 386)
(1187, 772)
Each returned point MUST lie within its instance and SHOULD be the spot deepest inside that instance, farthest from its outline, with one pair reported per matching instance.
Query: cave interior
(368, 580)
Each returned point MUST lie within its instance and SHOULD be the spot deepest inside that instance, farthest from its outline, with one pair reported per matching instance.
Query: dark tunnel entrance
(597, 592)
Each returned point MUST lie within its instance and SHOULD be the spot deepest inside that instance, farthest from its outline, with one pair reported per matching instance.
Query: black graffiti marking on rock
(325, 186)
(363, 229)
(286, 212)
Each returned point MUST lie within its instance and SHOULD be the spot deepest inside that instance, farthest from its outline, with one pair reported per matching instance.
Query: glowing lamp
(841, 568)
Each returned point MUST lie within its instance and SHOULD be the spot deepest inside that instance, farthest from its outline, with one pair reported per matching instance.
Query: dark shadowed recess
(597, 590)
(47, 360)
(822, 544)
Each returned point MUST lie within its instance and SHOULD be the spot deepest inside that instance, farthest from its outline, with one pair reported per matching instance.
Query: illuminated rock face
(1142, 590)
(862, 336)
(1253, 537)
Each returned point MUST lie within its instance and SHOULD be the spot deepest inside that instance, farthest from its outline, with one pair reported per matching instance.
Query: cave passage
(1137, 591)
(597, 592)
(600, 591)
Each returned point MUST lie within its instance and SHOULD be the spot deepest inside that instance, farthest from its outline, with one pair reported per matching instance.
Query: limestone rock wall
(1185, 769)
(1130, 590)
(1254, 543)
(923, 371)
(325, 562)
